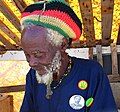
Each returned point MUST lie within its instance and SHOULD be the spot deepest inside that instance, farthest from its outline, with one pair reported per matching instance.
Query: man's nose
(33, 62)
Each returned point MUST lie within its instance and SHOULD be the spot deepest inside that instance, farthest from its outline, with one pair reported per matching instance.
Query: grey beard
(47, 78)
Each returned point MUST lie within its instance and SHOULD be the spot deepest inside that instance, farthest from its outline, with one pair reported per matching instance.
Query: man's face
(77, 99)
(39, 52)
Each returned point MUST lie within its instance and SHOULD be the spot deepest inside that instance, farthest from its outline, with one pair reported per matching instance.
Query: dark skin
(40, 52)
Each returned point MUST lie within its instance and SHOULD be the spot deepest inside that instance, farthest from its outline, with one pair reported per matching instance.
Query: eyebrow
(35, 52)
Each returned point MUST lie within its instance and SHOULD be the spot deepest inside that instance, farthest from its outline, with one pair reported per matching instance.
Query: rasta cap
(54, 14)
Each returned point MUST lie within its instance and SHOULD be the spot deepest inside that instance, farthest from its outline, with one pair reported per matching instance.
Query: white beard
(47, 78)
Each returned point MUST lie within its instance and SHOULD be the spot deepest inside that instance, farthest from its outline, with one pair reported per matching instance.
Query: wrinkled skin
(39, 52)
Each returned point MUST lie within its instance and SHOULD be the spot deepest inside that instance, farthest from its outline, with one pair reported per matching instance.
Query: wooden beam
(91, 53)
(118, 38)
(6, 103)
(7, 31)
(114, 59)
(99, 54)
(88, 21)
(16, 88)
(2, 50)
(6, 43)
(67, 1)
(114, 78)
(107, 18)
(20, 4)
(37, 0)
(9, 14)
(82, 44)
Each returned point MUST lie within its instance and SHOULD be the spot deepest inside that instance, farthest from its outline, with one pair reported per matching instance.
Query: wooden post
(114, 59)
(118, 38)
(99, 54)
(107, 17)
(91, 53)
(6, 103)
(88, 21)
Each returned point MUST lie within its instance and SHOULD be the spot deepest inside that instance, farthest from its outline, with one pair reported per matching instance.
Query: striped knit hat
(53, 14)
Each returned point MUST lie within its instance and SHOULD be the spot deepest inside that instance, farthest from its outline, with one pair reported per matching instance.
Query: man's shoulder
(87, 63)
(88, 68)
(31, 73)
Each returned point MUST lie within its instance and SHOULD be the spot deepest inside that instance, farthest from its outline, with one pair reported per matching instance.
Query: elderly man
(55, 80)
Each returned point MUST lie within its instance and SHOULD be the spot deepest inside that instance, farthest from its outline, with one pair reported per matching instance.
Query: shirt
(85, 89)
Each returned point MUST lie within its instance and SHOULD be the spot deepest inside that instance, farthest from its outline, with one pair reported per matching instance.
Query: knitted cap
(53, 14)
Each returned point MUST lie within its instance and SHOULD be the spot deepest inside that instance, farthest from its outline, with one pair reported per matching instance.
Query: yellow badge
(82, 84)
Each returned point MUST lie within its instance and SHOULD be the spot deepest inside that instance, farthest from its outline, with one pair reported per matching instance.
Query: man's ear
(64, 45)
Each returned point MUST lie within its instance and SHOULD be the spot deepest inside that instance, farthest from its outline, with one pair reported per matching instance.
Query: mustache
(41, 66)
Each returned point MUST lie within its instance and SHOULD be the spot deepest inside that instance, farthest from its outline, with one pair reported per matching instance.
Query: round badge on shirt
(77, 102)
(82, 84)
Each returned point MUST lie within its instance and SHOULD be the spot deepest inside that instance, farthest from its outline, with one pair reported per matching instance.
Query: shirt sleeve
(28, 105)
(101, 92)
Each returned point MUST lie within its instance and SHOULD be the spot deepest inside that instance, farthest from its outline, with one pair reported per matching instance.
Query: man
(57, 82)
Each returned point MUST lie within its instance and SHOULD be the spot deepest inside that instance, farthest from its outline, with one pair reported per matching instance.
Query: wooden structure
(6, 103)
(86, 10)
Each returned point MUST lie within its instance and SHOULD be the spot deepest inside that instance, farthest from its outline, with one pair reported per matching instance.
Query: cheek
(46, 59)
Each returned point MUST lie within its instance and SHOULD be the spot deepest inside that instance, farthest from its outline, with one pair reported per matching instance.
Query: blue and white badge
(77, 102)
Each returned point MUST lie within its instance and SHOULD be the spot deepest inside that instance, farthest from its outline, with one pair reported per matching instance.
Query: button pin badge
(89, 102)
(77, 102)
(82, 84)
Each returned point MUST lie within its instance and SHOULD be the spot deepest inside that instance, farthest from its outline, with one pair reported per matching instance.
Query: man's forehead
(34, 29)
(34, 34)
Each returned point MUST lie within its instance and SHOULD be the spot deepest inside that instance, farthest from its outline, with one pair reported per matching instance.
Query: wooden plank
(6, 103)
(116, 93)
(114, 59)
(114, 78)
(6, 30)
(91, 53)
(6, 43)
(67, 1)
(2, 48)
(8, 89)
(82, 44)
(20, 4)
(118, 38)
(88, 21)
(36, 0)
(9, 14)
(99, 54)
(107, 18)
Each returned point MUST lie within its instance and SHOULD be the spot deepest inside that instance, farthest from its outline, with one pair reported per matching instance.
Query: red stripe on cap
(60, 15)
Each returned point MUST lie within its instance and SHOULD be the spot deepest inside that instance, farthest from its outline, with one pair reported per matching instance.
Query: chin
(44, 78)
(41, 72)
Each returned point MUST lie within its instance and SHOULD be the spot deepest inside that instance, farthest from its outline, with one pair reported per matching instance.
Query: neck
(64, 65)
